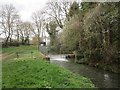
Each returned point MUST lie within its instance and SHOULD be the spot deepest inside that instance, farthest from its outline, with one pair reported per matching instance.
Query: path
(8, 54)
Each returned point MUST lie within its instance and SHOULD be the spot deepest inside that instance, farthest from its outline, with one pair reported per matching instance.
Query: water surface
(101, 78)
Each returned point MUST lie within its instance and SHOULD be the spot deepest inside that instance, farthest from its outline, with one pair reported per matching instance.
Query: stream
(101, 78)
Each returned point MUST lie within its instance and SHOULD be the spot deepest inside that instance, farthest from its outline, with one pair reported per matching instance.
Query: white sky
(26, 7)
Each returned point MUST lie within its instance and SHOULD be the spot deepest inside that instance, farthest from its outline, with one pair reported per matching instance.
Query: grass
(12, 49)
(0, 50)
(38, 73)
(0, 74)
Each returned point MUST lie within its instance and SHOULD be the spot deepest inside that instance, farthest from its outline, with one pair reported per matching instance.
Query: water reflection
(100, 78)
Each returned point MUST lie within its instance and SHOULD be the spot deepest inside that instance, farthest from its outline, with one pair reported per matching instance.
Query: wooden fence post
(31, 54)
(75, 56)
(17, 54)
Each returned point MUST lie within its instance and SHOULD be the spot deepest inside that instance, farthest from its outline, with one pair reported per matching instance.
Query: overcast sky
(26, 7)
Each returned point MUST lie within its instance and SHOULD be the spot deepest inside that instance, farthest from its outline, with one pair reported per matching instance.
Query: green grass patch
(13, 49)
(0, 50)
(0, 74)
(41, 74)
(38, 73)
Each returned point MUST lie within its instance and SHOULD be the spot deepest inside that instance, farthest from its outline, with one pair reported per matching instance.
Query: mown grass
(0, 74)
(41, 74)
(38, 73)
(0, 50)
(13, 49)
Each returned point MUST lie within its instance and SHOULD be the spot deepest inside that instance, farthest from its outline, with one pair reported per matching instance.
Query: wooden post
(17, 54)
(31, 54)
(75, 56)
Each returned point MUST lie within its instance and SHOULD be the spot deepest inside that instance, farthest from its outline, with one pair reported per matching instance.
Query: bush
(95, 55)
(13, 43)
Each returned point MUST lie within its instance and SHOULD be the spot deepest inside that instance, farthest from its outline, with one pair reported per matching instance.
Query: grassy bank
(21, 48)
(0, 74)
(101, 65)
(38, 73)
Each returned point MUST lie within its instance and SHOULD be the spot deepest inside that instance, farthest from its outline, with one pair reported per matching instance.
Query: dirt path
(4, 56)
(9, 54)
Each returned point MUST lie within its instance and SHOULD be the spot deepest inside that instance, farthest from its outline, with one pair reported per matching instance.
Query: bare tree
(17, 30)
(38, 24)
(8, 17)
(25, 31)
(58, 11)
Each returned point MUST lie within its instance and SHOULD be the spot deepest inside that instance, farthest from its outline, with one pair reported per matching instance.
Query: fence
(24, 53)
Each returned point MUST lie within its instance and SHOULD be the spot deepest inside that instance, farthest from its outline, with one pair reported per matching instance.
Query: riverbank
(114, 67)
(108, 79)
(26, 72)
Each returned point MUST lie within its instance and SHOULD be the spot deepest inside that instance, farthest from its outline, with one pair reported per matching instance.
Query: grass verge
(38, 73)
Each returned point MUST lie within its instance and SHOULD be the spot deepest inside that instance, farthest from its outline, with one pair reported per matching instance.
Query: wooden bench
(18, 53)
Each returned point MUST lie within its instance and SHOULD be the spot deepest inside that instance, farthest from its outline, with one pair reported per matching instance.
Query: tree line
(88, 28)
(92, 31)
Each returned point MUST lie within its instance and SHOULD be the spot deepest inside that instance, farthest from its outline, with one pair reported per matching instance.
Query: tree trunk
(38, 42)
(10, 40)
(22, 41)
(6, 42)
